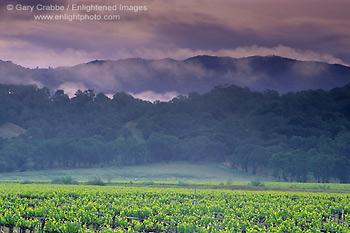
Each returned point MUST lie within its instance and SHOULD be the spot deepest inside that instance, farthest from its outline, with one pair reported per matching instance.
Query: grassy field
(176, 171)
(9, 130)
(176, 174)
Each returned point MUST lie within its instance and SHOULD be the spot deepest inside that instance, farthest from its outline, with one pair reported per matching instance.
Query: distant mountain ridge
(195, 74)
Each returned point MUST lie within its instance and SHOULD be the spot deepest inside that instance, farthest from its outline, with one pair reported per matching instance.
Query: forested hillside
(296, 136)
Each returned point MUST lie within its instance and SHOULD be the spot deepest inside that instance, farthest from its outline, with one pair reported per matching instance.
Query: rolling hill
(196, 74)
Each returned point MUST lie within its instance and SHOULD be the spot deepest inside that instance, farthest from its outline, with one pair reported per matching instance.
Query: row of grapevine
(70, 209)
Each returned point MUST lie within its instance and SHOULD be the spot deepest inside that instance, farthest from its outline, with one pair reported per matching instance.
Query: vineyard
(70, 209)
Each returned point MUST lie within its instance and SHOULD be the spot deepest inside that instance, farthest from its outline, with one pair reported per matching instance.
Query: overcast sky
(316, 30)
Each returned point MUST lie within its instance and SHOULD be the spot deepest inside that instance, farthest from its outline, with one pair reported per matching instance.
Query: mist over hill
(264, 115)
(168, 77)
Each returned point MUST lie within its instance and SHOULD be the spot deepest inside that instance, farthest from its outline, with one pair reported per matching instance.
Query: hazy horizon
(165, 79)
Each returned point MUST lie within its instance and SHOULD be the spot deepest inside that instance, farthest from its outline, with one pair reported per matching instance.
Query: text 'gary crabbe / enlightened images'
(77, 12)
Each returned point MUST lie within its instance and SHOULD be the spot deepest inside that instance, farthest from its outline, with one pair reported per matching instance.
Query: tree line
(298, 136)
